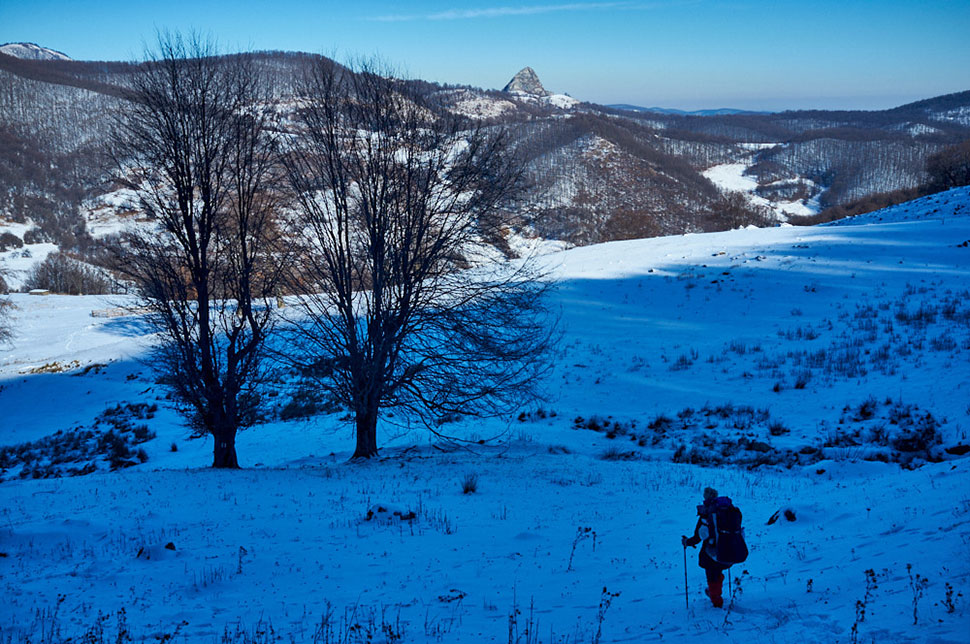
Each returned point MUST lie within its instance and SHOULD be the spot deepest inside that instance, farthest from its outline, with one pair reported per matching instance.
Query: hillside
(31, 51)
(808, 380)
(597, 173)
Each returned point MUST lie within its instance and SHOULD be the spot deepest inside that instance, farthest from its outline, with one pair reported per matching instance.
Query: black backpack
(726, 530)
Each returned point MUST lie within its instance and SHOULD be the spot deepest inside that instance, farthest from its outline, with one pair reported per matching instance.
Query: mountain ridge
(32, 51)
(597, 173)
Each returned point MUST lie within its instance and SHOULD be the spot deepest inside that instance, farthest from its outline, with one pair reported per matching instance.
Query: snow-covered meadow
(821, 370)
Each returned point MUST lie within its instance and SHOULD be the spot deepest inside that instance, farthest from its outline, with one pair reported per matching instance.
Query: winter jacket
(703, 531)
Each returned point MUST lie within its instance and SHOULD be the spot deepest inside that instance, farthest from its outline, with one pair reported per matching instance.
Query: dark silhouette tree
(195, 145)
(393, 200)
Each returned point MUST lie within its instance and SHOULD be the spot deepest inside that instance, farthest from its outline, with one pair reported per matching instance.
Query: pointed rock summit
(526, 82)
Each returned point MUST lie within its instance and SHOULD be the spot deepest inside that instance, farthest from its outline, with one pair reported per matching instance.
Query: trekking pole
(686, 600)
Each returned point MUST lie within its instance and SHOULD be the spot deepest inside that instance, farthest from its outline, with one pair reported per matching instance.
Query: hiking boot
(713, 591)
(716, 600)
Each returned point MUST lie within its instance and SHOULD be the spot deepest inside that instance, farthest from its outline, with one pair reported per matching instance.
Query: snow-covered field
(17, 262)
(820, 370)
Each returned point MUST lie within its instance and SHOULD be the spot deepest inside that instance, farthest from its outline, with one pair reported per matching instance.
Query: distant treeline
(948, 168)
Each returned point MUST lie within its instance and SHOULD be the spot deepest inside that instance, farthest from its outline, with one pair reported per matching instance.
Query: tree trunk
(224, 450)
(366, 435)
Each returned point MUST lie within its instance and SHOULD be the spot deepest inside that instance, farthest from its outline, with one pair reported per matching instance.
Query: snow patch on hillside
(917, 129)
(731, 177)
(959, 115)
(562, 101)
(18, 262)
(113, 212)
(480, 106)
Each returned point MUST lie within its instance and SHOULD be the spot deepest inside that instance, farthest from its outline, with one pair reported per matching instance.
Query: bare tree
(195, 145)
(392, 199)
(735, 210)
(60, 273)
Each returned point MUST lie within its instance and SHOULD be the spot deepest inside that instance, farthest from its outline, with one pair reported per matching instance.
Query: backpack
(726, 530)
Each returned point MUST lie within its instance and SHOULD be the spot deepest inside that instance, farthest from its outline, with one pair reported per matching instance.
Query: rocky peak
(526, 82)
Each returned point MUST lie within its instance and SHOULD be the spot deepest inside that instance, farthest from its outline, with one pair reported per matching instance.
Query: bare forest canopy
(596, 173)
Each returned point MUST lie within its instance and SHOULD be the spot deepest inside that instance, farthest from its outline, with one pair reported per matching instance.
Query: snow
(14, 227)
(562, 101)
(650, 327)
(480, 106)
(528, 244)
(112, 213)
(757, 146)
(17, 262)
(30, 51)
(919, 129)
(959, 115)
(936, 207)
(730, 177)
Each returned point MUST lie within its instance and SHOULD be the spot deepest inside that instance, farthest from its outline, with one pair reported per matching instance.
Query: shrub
(8, 240)
(919, 436)
(866, 409)
(469, 484)
(305, 402)
(661, 424)
(36, 236)
(117, 449)
(921, 317)
(616, 454)
(777, 428)
(943, 343)
(734, 210)
(684, 361)
(595, 423)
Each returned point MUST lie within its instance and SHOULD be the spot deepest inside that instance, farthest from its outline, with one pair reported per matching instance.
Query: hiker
(719, 527)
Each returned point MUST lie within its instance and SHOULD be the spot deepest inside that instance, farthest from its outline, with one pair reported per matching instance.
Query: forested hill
(597, 173)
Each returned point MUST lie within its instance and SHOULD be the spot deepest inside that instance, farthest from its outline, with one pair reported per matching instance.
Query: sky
(687, 54)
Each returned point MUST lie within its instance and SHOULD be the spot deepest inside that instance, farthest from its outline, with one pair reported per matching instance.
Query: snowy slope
(562, 101)
(31, 51)
(935, 207)
(17, 262)
(804, 323)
